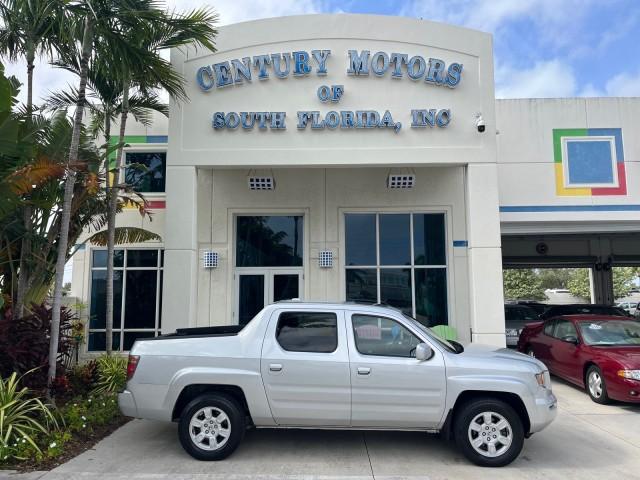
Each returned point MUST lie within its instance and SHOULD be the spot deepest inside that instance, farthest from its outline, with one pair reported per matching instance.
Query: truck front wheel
(489, 432)
(211, 427)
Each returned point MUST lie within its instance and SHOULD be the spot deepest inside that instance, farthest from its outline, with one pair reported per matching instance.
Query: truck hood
(479, 351)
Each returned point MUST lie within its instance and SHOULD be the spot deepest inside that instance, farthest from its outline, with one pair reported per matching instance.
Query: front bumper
(545, 410)
(127, 404)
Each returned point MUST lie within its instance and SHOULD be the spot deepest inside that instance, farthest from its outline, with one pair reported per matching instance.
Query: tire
(529, 351)
(485, 416)
(596, 386)
(219, 413)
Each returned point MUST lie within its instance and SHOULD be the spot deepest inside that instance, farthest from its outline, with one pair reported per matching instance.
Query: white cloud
(552, 78)
(624, 85)
(46, 79)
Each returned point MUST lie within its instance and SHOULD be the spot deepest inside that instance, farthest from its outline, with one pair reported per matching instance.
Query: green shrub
(83, 378)
(112, 373)
(83, 414)
(23, 420)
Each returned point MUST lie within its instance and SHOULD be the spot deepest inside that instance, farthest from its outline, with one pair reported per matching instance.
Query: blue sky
(543, 48)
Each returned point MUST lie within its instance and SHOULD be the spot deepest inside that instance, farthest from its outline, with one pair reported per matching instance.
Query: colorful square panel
(589, 162)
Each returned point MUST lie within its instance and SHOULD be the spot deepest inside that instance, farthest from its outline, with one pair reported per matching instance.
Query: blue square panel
(589, 162)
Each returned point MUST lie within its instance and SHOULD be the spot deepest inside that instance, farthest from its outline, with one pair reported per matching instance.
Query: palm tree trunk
(111, 216)
(63, 240)
(25, 248)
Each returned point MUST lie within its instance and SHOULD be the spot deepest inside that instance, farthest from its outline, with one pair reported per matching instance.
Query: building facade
(363, 158)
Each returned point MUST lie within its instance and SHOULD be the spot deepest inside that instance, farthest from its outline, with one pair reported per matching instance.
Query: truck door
(305, 368)
(390, 388)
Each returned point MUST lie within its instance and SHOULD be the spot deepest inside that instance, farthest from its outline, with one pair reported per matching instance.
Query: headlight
(541, 380)
(632, 374)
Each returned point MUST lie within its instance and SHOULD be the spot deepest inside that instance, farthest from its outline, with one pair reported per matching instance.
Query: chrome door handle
(364, 370)
(275, 367)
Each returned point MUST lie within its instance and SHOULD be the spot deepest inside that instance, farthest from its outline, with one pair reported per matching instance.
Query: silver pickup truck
(336, 366)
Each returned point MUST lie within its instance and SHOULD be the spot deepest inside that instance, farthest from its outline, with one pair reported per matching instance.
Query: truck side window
(383, 336)
(308, 331)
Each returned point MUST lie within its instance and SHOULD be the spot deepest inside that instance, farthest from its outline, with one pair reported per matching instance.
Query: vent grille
(401, 181)
(261, 183)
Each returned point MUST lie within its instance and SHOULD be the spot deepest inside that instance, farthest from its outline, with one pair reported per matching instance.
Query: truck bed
(223, 331)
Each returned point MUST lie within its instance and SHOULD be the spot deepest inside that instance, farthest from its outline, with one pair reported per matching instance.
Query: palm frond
(125, 235)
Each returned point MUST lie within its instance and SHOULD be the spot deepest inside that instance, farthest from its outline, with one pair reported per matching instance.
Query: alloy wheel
(209, 428)
(490, 434)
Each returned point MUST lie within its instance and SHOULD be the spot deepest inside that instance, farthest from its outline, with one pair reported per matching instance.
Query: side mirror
(570, 339)
(423, 352)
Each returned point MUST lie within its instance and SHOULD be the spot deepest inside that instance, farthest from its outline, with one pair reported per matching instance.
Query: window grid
(412, 267)
(159, 267)
(136, 150)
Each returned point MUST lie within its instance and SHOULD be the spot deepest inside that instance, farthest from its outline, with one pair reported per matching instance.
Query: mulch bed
(79, 443)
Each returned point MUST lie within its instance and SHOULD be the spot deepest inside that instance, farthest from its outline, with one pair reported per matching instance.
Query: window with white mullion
(410, 270)
(136, 297)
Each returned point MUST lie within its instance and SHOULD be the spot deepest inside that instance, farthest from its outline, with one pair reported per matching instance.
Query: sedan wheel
(595, 385)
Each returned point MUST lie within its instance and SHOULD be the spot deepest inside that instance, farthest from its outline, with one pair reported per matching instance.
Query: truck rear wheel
(211, 427)
(489, 432)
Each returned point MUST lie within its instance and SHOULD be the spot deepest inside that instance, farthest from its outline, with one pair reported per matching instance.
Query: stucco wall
(322, 196)
(526, 171)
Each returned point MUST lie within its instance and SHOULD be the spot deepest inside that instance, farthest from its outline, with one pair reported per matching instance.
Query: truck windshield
(432, 335)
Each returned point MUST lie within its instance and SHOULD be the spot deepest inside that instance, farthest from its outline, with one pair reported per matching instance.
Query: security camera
(480, 125)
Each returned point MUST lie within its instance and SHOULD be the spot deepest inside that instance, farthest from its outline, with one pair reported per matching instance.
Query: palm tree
(194, 28)
(30, 29)
(97, 25)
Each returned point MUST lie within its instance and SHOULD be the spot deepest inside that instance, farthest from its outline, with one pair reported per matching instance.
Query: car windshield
(519, 312)
(433, 335)
(585, 309)
(610, 332)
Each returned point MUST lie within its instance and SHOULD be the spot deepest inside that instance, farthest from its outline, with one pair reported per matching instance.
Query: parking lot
(587, 441)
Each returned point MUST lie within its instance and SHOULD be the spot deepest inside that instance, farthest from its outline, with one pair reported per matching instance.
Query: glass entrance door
(256, 288)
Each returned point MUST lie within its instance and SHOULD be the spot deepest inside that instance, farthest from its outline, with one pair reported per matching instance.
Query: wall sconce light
(210, 259)
(325, 259)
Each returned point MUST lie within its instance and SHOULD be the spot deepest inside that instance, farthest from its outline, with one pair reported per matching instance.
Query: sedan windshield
(610, 332)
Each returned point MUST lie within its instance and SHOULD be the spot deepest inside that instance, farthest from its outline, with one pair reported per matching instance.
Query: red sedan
(599, 353)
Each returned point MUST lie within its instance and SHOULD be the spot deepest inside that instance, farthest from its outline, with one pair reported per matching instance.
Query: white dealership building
(362, 158)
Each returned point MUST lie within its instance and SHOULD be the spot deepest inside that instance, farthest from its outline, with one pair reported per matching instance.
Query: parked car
(338, 366)
(583, 309)
(630, 307)
(599, 353)
(515, 318)
(537, 306)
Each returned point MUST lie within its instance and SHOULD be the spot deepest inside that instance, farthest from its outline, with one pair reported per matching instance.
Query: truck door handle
(275, 367)
(364, 370)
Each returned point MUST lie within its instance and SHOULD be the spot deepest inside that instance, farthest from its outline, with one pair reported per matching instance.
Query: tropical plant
(22, 418)
(29, 29)
(162, 32)
(112, 374)
(24, 344)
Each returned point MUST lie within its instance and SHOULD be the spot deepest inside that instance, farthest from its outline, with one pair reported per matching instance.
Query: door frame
(233, 271)
(269, 274)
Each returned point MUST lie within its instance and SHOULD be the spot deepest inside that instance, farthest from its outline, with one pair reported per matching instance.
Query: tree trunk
(111, 216)
(63, 240)
(25, 248)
